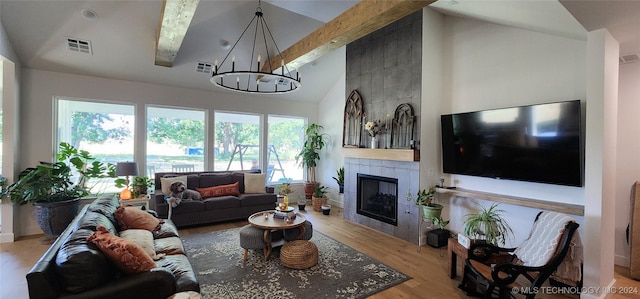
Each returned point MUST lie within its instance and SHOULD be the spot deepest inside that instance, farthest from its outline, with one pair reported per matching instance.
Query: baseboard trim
(7, 238)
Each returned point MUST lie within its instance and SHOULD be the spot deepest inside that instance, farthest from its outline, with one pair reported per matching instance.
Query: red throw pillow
(222, 190)
(135, 218)
(128, 257)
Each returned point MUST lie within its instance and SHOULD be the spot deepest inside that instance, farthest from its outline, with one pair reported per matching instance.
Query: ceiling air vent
(78, 45)
(204, 67)
(629, 58)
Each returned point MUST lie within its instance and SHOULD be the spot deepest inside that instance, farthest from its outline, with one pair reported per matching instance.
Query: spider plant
(489, 225)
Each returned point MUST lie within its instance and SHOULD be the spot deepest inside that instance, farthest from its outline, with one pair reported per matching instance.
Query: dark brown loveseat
(213, 209)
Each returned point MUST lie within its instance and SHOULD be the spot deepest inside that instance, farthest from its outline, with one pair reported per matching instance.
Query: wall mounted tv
(536, 143)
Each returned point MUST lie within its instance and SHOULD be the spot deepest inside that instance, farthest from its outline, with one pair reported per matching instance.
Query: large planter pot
(431, 211)
(318, 202)
(54, 217)
(309, 187)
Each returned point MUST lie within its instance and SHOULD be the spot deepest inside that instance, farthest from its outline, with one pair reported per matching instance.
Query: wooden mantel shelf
(407, 155)
(520, 201)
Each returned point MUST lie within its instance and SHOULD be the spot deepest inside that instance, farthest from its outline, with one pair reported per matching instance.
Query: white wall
(628, 147)
(331, 116)
(493, 66)
(39, 88)
(9, 99)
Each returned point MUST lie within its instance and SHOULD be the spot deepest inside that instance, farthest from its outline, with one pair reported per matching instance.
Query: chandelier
(258, 78)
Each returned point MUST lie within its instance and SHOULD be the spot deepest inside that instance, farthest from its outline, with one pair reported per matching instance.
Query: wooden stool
(299, 254)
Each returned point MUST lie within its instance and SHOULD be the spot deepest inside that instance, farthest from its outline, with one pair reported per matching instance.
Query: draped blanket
(542, 244)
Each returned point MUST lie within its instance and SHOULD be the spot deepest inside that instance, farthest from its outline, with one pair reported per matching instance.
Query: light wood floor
(428, 268)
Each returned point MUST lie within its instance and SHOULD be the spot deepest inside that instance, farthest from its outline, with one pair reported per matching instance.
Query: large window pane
(175, 140)
(285, 141)
(237, 139)
(104, 130)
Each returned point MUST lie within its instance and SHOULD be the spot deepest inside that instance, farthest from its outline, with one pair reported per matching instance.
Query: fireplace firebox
(377, 198)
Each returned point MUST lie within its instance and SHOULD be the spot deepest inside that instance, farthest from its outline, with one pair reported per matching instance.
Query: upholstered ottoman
(299, 254)
(251, 238)
(294, 233)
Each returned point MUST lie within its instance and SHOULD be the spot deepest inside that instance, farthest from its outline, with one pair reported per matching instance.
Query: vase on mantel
(374, 142)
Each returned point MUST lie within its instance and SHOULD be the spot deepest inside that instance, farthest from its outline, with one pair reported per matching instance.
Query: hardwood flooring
(427, 266)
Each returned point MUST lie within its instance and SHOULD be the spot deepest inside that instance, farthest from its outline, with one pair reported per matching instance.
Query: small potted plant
(319, 197)
(339, 178)
(425, 198)
(488, 225)
(141, 185)
(438, 237)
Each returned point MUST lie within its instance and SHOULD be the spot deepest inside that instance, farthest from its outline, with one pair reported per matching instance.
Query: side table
(455, 249)
(136, 202)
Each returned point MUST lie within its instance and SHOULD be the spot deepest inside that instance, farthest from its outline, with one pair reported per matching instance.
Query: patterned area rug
(341, 272)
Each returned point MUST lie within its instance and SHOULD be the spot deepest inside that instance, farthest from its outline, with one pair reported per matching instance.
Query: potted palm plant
(339, 178)
(319, 197)
(425, 198)
(488, 225)
(52, 189)
(308, 156)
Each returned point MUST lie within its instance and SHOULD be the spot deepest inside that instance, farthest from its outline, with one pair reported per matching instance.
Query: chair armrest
(484, 252)
(507, 273)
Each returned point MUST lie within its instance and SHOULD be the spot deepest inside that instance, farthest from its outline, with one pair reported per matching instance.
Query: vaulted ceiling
(123, 35)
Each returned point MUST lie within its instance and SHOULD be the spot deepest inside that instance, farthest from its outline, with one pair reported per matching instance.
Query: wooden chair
(505, 279)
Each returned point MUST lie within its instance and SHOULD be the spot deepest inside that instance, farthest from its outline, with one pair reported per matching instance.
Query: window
(286, 136)
(175, 140)
(105, 130)
(237, 141)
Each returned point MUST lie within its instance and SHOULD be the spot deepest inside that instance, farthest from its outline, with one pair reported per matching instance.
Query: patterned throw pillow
(254, 183)
(135, 218)
(128, 257)
(222, 190)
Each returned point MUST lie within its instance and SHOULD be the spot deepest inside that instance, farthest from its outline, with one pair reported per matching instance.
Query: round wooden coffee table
(266, 220)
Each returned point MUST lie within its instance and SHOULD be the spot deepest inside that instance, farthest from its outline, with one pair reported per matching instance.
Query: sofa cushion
(81, 265)
(215, 179)
(171, 245)
(239, 178)
(135, 218)
(127, 256)
(165, 183)
(91, 221)
(167, 230)
(142, 238)
(257, 199)
(189, 206)
(179, 265)
(254, 183)
(105, 205)
(222, 202)
(222, 190)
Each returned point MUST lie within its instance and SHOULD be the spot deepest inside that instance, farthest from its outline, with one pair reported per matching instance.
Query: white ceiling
(123, 35)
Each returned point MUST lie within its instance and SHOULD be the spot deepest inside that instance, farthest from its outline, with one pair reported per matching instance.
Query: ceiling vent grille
(78, 45)
(204, 67)
(629, 58)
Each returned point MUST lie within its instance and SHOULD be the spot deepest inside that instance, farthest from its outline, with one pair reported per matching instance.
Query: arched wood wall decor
(402, 127)
(352, 126)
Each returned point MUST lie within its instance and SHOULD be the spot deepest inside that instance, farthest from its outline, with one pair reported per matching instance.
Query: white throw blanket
(541, 245)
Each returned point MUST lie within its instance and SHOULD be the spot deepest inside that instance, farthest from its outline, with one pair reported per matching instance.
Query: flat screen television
(537, 143)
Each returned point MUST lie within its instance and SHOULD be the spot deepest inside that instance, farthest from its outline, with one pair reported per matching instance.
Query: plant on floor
(339, 178)
(309, 156)
(489, 225)
(319, 197)
(51, 187)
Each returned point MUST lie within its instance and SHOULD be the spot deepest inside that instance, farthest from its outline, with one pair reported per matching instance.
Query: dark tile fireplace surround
(379, 215)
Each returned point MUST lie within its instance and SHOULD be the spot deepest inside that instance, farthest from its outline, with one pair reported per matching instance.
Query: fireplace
(377, 198)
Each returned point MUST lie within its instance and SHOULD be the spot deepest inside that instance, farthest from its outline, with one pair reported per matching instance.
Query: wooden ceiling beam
(175, 18)
(360, 20)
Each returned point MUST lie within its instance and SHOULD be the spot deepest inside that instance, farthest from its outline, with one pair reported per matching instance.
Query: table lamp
(126, 169)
